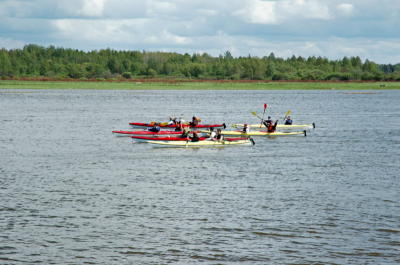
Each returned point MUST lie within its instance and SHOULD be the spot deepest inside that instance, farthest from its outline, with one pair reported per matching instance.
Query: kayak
(173, 138)
(262, 133)
(163, 125)
(130, 133)
(279, 126)
(200, 143)
(162, 138)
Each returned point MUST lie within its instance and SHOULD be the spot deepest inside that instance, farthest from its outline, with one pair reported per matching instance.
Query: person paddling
(178, 127)
(172, 121)
(267, 122)
(195, 137)
(246, 128)
(213, 134)
(288, 121)
(195, 121)
(155, 128)
(272, 127)
(185, 133)
(219, 135)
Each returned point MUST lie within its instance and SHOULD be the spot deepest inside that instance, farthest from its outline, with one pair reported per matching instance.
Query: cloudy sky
(329, 28)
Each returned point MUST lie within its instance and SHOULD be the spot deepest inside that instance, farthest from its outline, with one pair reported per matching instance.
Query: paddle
(255, 114)
(287, 114)
(262, 120)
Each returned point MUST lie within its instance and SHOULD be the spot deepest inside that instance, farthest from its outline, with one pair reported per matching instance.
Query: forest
(34, 61)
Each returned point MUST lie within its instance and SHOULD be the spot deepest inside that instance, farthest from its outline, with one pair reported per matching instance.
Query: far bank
(195, 85)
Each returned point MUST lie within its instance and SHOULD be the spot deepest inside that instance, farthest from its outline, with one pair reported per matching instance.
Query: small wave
(388, 231)
(7, 248)
(224, 229)
(134, 253)
(203, 257)
(7, 209)
(275, 234)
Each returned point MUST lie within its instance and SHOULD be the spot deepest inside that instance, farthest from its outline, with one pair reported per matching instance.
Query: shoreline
(163, 84)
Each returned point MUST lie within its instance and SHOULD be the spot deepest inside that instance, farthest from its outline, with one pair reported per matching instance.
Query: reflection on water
(73, 193)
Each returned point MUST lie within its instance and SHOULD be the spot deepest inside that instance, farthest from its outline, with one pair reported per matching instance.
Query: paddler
(155, 128)
(195, 137)
(179, 127)
(268, 121)
(288, 121)
(172, 121)
(272, 127)
(185, 133)
(213, 134)
(219, 135)
(195, 121)
(246, 128)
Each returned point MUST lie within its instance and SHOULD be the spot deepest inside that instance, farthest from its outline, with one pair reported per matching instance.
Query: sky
(328, 28)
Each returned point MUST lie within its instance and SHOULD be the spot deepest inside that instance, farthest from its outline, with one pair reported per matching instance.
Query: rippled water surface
(72, 193)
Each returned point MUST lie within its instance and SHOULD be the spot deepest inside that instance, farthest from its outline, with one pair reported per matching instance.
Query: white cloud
(92, 8)
(127, 31)
(11, 43)
(331, 28)
(345, 9)
(277, 12)
(258, 12)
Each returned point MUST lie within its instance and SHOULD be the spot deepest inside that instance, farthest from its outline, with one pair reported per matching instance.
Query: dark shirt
(154, 129)
(288, 122)
(267, 123)
(195, 138)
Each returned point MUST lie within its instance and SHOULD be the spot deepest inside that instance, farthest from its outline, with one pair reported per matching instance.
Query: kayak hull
(147, 125)
(161, 138)
(262, 133)
(200, 143)
(173, 138)
(279, 126)
(131, 133)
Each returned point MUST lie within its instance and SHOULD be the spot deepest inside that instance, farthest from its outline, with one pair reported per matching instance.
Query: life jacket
(288, 122)
(195, 139)
(154, 129)
(267, 123)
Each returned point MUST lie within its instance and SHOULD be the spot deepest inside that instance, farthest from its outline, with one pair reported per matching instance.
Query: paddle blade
(254, 113)
(265, 106)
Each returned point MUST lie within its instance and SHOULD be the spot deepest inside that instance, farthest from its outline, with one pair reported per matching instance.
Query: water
(72, 193)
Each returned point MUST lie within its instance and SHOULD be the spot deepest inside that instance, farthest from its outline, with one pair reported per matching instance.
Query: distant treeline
(35, 61)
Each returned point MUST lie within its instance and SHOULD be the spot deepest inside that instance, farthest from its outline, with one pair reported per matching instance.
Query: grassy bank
(208, 85)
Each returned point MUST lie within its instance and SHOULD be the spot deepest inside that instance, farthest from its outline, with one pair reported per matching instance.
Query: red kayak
(163, 125)
(174, 138)
(163, 138)
(130, 133)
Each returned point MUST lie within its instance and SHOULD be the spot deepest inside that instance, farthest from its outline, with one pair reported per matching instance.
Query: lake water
(73, 193)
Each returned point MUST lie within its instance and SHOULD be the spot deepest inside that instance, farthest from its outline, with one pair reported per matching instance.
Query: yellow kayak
(279, 126)
(200, 143)
(261, 133)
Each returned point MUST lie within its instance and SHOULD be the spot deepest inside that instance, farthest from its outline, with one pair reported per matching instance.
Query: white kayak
(279, 126)
(201, 143)
(261, 133)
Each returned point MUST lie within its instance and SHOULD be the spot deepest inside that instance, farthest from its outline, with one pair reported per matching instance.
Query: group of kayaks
(169, 136)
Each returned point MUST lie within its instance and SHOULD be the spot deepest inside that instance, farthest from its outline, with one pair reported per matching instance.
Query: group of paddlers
(180, 124)
(194, 137)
